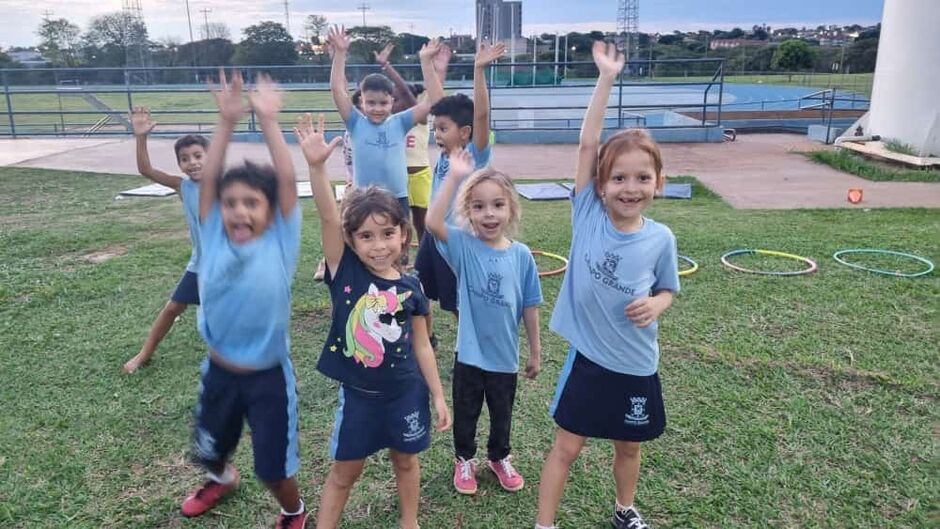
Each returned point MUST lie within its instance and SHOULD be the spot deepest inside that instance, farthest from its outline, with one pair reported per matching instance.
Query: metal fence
(543, 96)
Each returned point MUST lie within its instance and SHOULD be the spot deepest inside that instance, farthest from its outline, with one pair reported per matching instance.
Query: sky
(19, 19)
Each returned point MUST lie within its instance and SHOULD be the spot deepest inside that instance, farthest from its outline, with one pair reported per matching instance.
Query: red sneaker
(509, 479)
(291, 521)
(207, 496)
(465, 479)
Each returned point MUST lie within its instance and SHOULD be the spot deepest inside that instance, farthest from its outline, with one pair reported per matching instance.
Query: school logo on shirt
(415, 429)
(605, 271)
(381, 141)
(491, 292)
(637, 415)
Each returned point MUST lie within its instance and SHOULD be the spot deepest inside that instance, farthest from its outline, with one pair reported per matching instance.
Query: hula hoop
(811, 265)
(555, 272)
(838, 257)
(688, 271)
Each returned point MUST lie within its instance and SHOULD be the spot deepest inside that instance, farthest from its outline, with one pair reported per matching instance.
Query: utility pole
(364, 7)
(189, 19)
(205, 13)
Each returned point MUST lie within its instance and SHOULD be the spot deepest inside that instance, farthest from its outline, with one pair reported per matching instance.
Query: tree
(792, 55)
(7, 62)
(266, 43)
(211, 52)
(861, 55)
(410, 43)
(59, 40)
(316, 25)
(215, 30)
(370, 39)
(109, 36)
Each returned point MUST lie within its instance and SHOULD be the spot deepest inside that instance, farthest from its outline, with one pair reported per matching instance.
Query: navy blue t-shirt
(369, 343)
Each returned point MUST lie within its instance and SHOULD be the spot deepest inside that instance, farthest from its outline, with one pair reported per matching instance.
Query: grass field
(873, 170)
(804, 402)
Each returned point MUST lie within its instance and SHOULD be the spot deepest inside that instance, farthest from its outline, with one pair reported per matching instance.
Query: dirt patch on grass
(105, 254)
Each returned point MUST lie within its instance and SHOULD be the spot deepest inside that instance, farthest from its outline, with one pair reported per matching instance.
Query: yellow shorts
(419, 188)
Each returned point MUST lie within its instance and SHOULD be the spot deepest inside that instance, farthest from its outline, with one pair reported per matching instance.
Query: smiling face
(246, 212)
(489, 211)
(190, 160)
(630, 189)
(378, 243)
(376, 105)
(448, 135)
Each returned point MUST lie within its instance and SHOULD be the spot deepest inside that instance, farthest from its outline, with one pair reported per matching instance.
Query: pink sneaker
(207, 496)
(465, 478)
(509, 479)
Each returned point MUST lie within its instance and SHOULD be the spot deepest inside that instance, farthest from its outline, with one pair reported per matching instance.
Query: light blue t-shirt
(480, 159)
(379, 151)
(245, 290)
(607, 270)
(189, 193)
(493, 288)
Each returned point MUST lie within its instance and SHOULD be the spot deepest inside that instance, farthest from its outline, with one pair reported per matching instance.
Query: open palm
(609, 61)
(313, 140)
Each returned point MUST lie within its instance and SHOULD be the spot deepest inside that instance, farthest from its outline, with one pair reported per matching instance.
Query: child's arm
(431, 83)
(530, 316)
(424, 355)
(231, 107)
(609, 64)
(461, 165)
(481, 97)
(644, 311)
(339, 41)
(266, 100)
(404, 99)
(142, 125)
(316, 152)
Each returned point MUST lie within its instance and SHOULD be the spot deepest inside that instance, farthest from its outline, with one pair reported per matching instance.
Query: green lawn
(874, 170)
(793, 402)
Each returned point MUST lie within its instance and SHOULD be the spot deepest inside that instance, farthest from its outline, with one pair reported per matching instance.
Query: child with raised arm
(190, 153)
(459, 123)
(250, 233)
(378, 135)
(622, 275)
(377, 347)
(498, 287)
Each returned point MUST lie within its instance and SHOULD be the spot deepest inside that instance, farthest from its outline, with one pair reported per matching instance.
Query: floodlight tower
(136, 49)
(628, 36)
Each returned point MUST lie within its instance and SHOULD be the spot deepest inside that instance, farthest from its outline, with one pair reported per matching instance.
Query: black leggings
(471, 387)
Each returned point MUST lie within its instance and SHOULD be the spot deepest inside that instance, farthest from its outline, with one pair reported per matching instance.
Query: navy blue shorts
(187, 290)
(592, 401)
(437, 279)
(367, 422)
(268, 399)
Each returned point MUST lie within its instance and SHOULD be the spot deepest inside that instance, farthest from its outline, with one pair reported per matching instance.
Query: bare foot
(136, 362)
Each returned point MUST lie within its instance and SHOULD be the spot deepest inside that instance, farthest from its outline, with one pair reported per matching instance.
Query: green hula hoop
(838, 257)
(688, 271)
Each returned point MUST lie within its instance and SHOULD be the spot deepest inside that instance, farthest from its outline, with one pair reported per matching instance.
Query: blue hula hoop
(838, 257)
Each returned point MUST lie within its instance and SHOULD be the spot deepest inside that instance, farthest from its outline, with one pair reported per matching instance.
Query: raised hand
(312, 140)
(141, 122)
(441, 60)
(382, 56)
(265, 98)
(609, 61)
(488, 54)
(230, 97)
(339, 39)
(461, 165)
(430, 49)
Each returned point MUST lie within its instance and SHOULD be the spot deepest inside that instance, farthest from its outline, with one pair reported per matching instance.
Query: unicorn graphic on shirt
(365, 328)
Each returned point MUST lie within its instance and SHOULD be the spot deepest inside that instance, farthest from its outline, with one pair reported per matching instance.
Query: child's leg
(158, 330)
(500, 396)
(626, 470)
(339, 483)
(468, 397)
(417, 218)
(286, 492)
(564, 452)
(408, 479)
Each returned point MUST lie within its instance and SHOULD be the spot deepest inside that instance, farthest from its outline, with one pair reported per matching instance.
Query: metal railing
(96, 101)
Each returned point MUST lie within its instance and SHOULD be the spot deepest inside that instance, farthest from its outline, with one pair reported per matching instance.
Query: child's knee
(627, 449)
(403, 462)
(345, 476)
(566, 453)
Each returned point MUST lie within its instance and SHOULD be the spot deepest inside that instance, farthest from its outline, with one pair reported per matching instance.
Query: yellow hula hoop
(550, 255)
(811, 265)
(688, 271)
